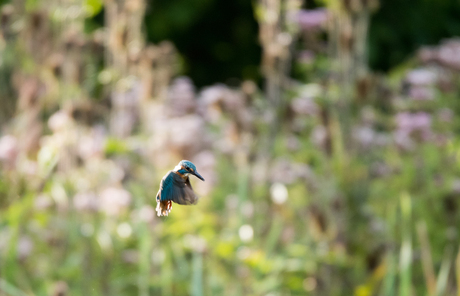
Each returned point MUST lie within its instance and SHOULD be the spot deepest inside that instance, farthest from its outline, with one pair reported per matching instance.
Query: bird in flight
(175, 187)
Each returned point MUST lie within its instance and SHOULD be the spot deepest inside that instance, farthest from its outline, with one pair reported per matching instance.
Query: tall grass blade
(405, 258)
(388, 286)
(197, 276)
(427, 261)
(457, 271)
(443, 275)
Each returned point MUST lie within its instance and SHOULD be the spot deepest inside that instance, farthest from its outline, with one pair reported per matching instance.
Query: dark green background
(218, 39)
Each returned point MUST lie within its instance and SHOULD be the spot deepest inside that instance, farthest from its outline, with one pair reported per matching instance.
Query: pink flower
(410, 124)
(449, 54)
(43, 202)
(312, 19)
(25, 247)
(364, 135)
(306, 56)
(421, 77)
(85, 201)
(304, 106)
(8, 149)
(181, 97)
(421, 93)
(413, 121)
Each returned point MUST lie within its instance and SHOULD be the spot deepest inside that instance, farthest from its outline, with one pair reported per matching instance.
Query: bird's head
(186, 168)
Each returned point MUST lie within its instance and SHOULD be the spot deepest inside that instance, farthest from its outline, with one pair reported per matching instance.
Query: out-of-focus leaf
(93, 7)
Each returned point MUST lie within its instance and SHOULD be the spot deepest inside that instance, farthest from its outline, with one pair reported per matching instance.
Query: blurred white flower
(60, 121)
(114, 200)
(246, 233)
(158, 256)
(59, 196)
(86, 201)
(304, 106)
(8, 148)
(25, 247)
(124, 230)
(104, 240)
(92, 145)
(27, 167)
(146, 213)
(279, 193)
(311, 90)
(364, 135)
(456, 186)
(196, 243)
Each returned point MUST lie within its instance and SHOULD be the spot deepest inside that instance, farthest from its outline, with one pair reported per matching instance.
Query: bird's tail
(163, 208)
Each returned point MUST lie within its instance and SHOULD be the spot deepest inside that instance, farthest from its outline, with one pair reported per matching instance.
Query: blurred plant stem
(427, 261)
(457, 271)
(389, 282)
(405, 257)
(443, 276)
(167, 275)
(197, 274)
(274, 234)
(145, 253)
(276, 38)
(348, 32)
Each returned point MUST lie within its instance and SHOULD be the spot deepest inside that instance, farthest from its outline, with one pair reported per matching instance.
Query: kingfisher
(175, 187)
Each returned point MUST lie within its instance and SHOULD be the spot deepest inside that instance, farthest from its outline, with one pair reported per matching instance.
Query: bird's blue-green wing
(174, 188)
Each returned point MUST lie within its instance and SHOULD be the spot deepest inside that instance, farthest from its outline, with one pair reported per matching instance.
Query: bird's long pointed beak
(198, 176)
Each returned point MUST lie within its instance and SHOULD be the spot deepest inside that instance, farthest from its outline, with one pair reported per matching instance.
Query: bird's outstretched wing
(174, 188)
